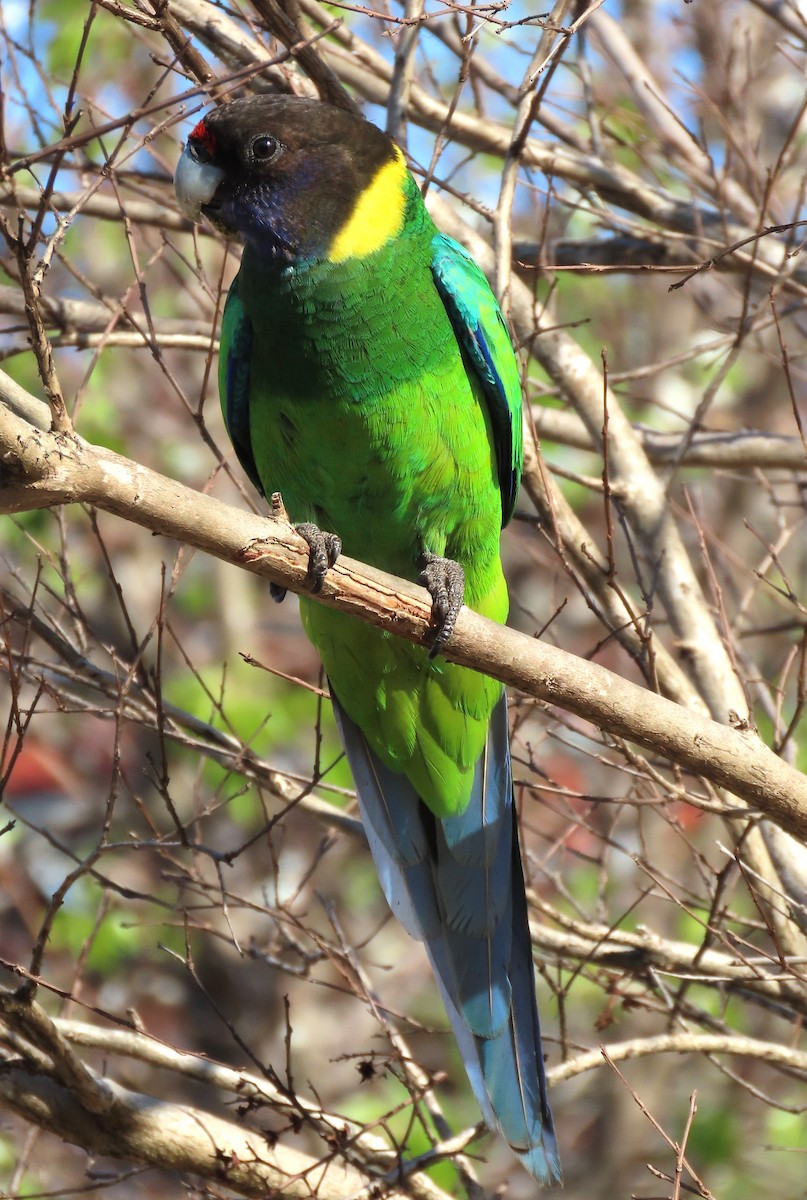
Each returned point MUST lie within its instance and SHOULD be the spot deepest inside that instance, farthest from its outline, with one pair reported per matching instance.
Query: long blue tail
(457, 885)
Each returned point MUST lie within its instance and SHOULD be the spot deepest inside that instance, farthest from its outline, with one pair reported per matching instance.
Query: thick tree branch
(39, 470)
(363, 1149)
(44, 1081)
(142, 1129)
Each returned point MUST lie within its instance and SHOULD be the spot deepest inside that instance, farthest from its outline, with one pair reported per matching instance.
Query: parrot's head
(295, 178)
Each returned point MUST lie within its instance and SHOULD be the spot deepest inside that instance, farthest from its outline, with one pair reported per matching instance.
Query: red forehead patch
(201, 133)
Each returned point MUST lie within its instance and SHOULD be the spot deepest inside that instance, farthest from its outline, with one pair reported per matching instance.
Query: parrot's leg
(445, 581)
(324, 549)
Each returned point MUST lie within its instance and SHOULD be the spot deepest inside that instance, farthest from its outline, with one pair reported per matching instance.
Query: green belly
(386, 443)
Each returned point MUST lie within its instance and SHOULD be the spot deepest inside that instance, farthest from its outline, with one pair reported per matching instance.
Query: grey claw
(445, 580)
(324, 549)
(277, 593)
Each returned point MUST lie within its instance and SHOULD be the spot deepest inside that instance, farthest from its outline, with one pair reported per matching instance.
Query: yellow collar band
(378, 214)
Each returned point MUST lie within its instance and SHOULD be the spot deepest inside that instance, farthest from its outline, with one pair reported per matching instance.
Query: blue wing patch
(234, 367)
(482, 333)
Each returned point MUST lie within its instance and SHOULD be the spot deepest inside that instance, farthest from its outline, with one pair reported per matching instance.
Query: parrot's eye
(263, 148)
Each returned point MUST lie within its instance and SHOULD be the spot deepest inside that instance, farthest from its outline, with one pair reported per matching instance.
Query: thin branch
(743, 450)
(682, 1043)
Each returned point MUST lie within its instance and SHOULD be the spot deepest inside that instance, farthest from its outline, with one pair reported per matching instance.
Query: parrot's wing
(456, 884)
(235, 357)
(482, 333)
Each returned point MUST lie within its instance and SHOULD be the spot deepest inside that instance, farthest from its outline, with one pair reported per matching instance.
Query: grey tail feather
(457, 885)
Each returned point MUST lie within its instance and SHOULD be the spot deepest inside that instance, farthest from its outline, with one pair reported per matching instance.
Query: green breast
(363, 415)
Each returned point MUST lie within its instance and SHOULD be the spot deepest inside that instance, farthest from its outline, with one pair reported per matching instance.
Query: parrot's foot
(324, 549)
(445, 581)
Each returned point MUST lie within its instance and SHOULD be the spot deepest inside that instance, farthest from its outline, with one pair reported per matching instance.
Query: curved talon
(277, 593)
(445, 581)
(324, 549)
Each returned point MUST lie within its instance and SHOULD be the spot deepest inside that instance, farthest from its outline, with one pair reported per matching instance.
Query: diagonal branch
(40, 470)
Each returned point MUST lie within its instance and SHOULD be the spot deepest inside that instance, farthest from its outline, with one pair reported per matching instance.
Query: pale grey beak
(195, 183)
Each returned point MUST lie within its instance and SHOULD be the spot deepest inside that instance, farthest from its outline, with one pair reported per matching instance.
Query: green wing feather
(481, 331)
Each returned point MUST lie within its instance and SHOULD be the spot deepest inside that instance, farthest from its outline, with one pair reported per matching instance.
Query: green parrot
(366, 373)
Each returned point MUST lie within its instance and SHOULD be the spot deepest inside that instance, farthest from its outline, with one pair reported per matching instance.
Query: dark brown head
(296, 178)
